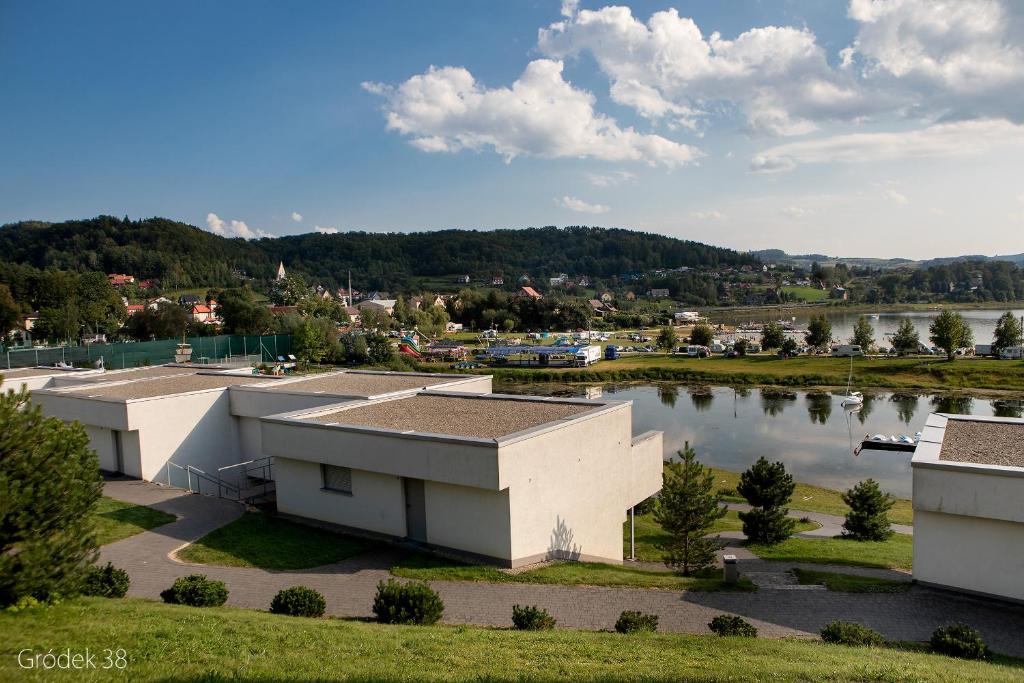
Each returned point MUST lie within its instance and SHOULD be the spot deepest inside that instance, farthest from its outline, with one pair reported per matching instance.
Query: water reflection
(731, 428)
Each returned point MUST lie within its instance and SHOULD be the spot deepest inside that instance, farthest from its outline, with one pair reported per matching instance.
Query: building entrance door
(415, 510)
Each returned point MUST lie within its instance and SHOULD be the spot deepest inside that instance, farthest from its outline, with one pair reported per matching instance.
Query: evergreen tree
(1007, 333)
(667, 338)
(950, 332)
(906, 339)
(772, 336)
(868, 518)
(50, 484)
(687, 508)
(768, 488)
(819, 332)
(863, 334)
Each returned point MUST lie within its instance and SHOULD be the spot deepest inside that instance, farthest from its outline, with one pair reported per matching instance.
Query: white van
(847, 350)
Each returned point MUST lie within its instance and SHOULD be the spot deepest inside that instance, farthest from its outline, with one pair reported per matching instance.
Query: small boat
(881, 442)
(852, 398)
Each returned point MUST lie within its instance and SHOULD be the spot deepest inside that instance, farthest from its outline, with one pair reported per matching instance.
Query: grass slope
(259, 540)
(431, 568)
(895, 553)
(165, 642)
(810, 498)
(916, 373)
(114, 520)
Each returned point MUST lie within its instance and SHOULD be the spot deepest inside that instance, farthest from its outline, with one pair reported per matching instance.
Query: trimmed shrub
(532, 618)
(298, 601)
(407, 603)
(636, 622)
(849, 633)
(959, 640)
(732, 625)
(106, 582)
(868, 518)
(196, 590)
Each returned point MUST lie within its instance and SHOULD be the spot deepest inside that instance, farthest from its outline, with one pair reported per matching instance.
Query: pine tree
(768, 488)
(868, 518)
(49, 486)
(687, 508)
(906, 339)
(863, 334)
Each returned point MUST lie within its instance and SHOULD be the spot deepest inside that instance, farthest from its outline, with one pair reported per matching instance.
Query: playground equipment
(410, 346)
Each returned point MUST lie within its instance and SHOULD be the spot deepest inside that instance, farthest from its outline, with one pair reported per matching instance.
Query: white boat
(852, 398)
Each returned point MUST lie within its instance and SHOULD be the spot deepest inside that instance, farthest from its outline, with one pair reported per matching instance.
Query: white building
(511, 480)
(969, 505)
(39, 378)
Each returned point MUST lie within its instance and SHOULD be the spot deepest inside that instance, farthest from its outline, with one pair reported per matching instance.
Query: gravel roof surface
(32, 372)
(167, 386)
(359, 384)
(142, 373)
(984, 443)
(485, 418)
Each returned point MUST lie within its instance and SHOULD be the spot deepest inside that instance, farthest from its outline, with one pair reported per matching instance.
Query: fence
(223, 348)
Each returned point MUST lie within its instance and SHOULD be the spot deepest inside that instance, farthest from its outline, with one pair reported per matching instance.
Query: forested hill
(182, 255)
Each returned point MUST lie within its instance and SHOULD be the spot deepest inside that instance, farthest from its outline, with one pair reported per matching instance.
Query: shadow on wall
(562, 547)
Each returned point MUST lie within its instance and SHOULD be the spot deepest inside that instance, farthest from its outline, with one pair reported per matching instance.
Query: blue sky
(860, 128)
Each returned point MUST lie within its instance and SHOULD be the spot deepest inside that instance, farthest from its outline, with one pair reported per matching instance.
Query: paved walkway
(349, 586)
(831, 525)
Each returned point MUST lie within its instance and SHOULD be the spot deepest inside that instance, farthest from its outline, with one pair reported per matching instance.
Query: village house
(497, 281)
(153, 304)
(201, 313)
(120, 279)
(385, 305)
(134, 308)
(529, 292)
(658, 293)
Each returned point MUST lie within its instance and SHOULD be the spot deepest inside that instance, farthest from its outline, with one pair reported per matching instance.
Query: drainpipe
(632, 534)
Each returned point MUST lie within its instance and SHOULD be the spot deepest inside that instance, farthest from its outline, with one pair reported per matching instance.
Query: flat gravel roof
(364, 384)
(484, 418)
(983, 443)
(166, 386)
(142, 373)
(33, 372)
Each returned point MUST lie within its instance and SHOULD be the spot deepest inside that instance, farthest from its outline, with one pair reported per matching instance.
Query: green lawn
(912, 373)
(808, 294)
(259, 540)
(896, 553)
(172, 642)
(814, 499)
(849, 583)
(432, 568)
(115, 520)
(649, 534)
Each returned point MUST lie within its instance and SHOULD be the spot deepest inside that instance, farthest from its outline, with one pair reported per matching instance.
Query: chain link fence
(225, 348)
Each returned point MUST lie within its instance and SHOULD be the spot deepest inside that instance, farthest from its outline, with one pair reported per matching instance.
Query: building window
(337, 479)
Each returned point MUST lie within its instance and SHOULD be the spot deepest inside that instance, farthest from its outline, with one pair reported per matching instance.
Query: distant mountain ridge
(182, 255)
(805, 260)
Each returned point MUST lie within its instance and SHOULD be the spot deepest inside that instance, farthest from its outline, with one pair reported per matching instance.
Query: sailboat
(852, 398)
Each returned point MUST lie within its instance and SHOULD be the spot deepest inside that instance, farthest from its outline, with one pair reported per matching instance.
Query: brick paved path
(348, 587)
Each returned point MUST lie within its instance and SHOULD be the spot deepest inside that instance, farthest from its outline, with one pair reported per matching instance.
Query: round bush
(299, 601)
(636, 622)
(196, 590)
(849, 633)
(106, 582)
(959, 640)
(531, 618)
(732, 625)
(407, 603)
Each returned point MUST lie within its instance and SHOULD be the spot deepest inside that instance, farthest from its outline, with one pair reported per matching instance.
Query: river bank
(981, 377)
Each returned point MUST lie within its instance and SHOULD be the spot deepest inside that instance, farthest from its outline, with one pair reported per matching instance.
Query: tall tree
(772, 336)
(1007, 333)
(702, 334)
(949, 331)
(863, 334)
(667, 338)
(49, 487)
(819, 332)
(768, 488)
(242, 314)
(687, 508)
(10, 313)
(906, 340)
(315, 340)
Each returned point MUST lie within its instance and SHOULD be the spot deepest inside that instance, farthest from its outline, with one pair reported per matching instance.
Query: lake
(982, 321)
(809, 431)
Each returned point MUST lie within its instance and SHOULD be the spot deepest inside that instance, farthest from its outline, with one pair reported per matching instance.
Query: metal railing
(260, 470)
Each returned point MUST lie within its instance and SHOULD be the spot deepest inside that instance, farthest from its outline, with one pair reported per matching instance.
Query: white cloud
(895, 195)
(570, 7)
(541, 114)
(326, 230)
(233, 228)
(296, 216)
(938, 140)
(575, 204)
(710, 215)
(610, 179)
(794, 211)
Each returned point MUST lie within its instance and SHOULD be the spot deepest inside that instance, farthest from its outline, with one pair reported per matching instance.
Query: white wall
(101, 440)
(470, 519)
(569, 489)
(377, 503)
(969, 553)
